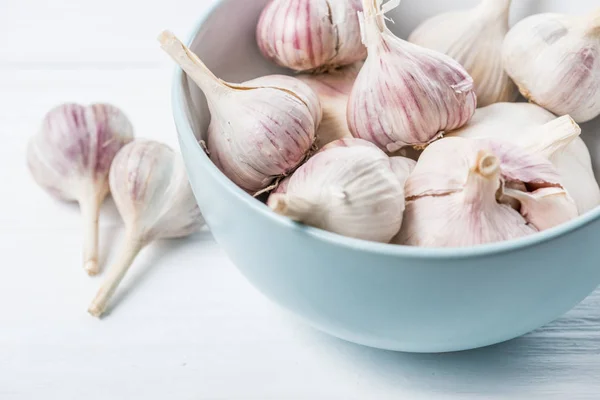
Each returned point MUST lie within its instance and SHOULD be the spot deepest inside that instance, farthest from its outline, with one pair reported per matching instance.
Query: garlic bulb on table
(70, 157)
(260, 130)
(538, 130)
(150, 187)
(474, 38)
(333, 89)
(350, 188)
(405, 95)
(307, 35)
(454, 195)
(555, 61)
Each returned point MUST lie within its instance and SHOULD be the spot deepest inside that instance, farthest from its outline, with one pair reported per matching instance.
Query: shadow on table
(563, 357)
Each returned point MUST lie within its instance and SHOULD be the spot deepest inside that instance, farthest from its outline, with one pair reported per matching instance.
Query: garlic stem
(117, 271)
(372, 22)
(495, 6)
(90, 212)
(191, 64)
(551, 137)
(483, 179)
(293, 207)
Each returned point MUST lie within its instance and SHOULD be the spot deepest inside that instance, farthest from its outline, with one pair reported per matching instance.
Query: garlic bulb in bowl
(474, 38)
(308, 35)
(456, 195)
(555, 61)
(259, 131)
(405, 95)
(350, 188)
(540, 131)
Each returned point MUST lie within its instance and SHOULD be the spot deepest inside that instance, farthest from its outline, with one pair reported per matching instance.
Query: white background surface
(187, 325)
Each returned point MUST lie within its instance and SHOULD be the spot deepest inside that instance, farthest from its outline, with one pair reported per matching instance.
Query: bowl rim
(184, 127)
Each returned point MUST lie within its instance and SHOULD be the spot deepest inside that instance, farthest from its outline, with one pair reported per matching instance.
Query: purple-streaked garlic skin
(150, 187)
(70, 157)
(406, 95)
(259, 131)
(75, 147)
(264, 134)
(349, 188)
(151, 190)
(555, 61)
(306, 35)
(333, 89)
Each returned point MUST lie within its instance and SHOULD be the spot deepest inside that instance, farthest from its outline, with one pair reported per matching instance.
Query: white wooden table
(187, 325)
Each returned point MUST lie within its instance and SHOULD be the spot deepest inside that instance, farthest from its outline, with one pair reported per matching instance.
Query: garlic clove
(467, 216)
(474, 38)
(349, 189)
(70, 158)
(150, 187)
(555, 61)
(333, 89)
(546, 207)
(538, 130)
(307, 35)
(258, 133)
(405, 95)
(402, 167)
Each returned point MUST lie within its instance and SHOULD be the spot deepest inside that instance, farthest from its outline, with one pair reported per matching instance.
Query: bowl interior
(234, 56)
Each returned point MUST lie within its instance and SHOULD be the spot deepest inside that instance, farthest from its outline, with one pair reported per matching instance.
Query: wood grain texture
(188, 326)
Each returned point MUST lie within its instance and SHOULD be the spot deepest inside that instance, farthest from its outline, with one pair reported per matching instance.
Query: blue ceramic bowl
(385, 296)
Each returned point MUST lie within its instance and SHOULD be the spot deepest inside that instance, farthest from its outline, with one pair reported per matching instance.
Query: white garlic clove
(474, 38)
(333, 89)
(258, 133)
(405, 95)
(349, 189)
(150, 187)
(402, 167)
(546, 207)
(555, 61)
(307, 35)
(466, 216)
(70, 157)
(538, 130)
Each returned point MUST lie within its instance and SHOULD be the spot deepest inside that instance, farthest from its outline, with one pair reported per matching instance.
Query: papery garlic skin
(350, 189)
(307, 35)
(474, 38)
(259, 131)
(70, 157)
(530, 126)
(546, 207)
(555, 61)
(405, 95)
(151, 190)
(333, 89)
(452, 195)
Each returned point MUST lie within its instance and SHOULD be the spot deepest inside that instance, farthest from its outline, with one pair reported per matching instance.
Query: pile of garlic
(333, 145)
(83, 153)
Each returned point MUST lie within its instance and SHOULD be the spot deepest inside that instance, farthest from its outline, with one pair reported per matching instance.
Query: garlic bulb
(405, 95)
(333, 89)
(70, 157)
(538, 130)
(349, 188)
(474, 38)
(150, 187)
(311, 34)
(260, 130)
(453, 195)
(555, 61)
